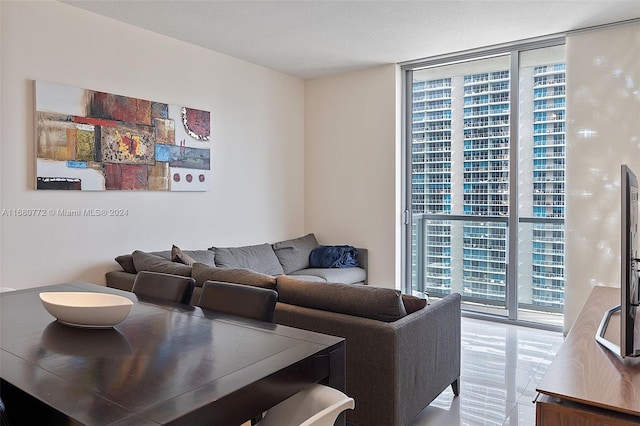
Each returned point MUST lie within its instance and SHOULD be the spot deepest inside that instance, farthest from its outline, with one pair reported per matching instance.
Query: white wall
(603, 131)
(257, 154)
(351, 165)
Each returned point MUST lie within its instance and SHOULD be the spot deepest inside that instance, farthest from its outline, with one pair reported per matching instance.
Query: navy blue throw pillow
(333, 257)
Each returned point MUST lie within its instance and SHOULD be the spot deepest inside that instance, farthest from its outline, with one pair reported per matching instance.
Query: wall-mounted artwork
(94, 141)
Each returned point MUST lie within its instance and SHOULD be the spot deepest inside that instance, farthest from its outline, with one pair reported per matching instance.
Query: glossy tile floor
(501, 366)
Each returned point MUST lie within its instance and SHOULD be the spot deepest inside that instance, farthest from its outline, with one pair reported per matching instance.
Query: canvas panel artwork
(94, 141)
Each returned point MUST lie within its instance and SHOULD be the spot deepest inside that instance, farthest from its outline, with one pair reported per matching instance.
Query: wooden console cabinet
(586, 384)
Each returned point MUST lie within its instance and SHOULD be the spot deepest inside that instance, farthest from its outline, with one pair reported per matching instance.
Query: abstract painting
(95, 141)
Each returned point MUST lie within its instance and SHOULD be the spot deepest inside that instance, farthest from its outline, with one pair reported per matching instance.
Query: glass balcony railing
(470, 257)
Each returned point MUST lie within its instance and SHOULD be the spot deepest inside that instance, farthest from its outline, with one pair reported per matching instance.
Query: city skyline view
(462, 169)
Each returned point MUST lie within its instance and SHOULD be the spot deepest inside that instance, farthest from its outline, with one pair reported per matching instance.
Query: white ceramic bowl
(85, 309)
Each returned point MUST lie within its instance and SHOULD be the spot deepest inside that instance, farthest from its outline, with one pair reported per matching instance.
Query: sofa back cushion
(189, 257)
(294, 254)
(258, 258)
(165, 254)
(154, 263)
(201, 273)
(383, 304)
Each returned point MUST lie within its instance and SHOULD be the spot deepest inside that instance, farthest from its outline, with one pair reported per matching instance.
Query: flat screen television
(629, 288)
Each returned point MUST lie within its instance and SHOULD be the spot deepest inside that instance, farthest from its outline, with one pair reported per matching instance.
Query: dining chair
(318, 405)
(156, 285)
(238, 299)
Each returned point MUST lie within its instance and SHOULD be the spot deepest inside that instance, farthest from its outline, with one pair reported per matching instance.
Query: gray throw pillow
(294, 254)
(378, 303)
(412, 303)
(126, 262)
(258, 258)
(151, 262)
(189, 257)
(177, 255)
(202, 273)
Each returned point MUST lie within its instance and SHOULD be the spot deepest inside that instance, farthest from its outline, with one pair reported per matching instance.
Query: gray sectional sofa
(290, 257)
(401, 352)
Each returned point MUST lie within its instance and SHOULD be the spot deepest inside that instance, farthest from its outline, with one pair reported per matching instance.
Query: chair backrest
(317, 405)
(156, 285)
(239, 299)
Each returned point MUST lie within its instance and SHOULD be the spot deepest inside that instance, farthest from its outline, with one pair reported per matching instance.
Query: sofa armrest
(427, 354)
(363, 262)
(120, 279)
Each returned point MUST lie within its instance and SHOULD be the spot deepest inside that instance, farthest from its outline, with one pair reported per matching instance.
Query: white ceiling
(312, 38)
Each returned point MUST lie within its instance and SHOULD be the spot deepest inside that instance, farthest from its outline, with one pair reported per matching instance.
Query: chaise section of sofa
(396, 362)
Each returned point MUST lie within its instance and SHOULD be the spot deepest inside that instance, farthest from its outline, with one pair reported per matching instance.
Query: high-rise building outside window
(485, 179)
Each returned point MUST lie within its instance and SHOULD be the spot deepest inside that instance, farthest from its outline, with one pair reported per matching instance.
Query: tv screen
(629, 258)
(629, 287)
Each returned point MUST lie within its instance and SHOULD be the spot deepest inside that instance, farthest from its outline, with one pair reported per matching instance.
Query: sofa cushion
(313, 278)
(201, 273)
(335, 275)
(383, 304)
(154, 263)
(294, 254)
(260, 258)
(165, 254)
(189, 257)
(413, 303)
(126, 263)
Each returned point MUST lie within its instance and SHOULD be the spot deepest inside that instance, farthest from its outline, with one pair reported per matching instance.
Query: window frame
(513, 220)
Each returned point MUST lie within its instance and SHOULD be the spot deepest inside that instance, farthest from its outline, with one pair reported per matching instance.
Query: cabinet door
(550, 412)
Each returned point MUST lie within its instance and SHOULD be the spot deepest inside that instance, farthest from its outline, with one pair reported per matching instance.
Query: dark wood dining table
(165, 364)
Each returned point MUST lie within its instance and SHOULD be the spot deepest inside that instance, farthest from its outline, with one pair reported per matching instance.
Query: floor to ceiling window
(485, 142)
